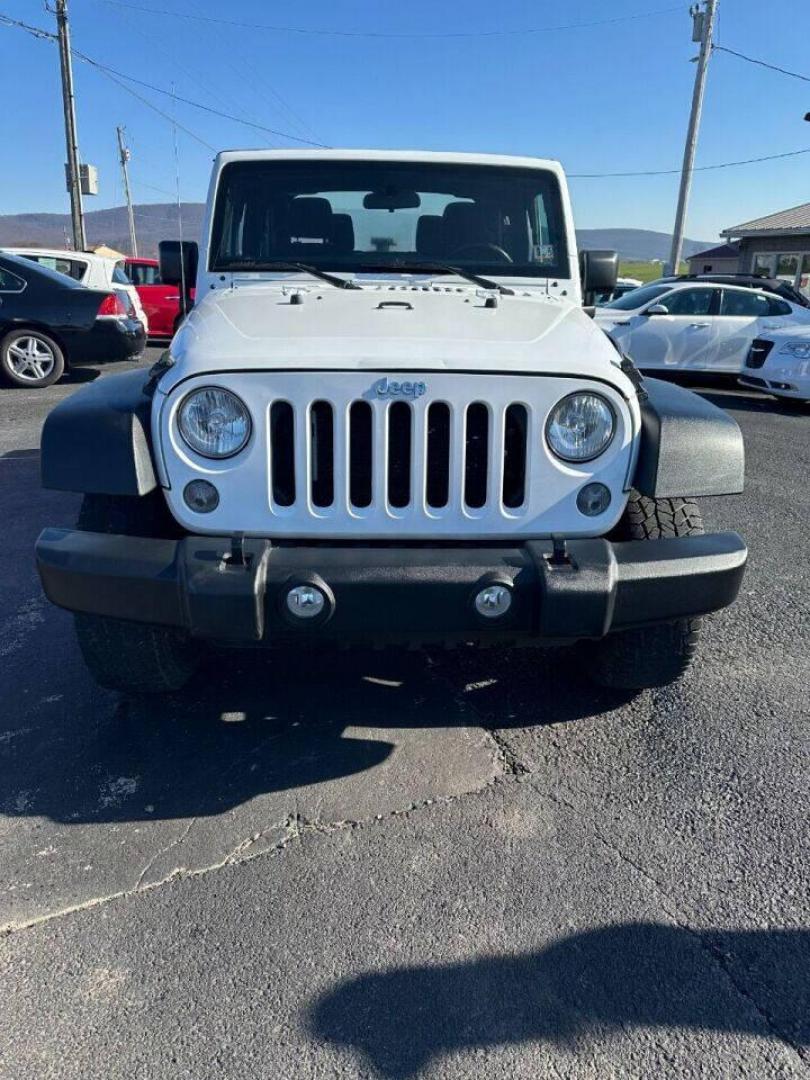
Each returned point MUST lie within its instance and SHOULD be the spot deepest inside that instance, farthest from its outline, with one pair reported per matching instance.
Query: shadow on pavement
(13, 455)
(252, 723)
(628, 975)
(77, 376)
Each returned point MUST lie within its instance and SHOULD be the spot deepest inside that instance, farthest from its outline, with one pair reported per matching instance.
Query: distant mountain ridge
(159, 221)
(638, 244)
(153, 222)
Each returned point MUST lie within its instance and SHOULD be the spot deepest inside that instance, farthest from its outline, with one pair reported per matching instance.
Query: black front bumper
(411, 594)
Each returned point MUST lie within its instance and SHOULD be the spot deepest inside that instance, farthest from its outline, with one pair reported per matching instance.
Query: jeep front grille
(399, 451)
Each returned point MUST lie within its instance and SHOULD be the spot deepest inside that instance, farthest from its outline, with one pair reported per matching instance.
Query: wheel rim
(31, 358)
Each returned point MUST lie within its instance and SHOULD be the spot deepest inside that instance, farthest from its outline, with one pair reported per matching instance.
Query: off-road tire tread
(650, 656)
(646, 658)
(137, 658)
(655, 519)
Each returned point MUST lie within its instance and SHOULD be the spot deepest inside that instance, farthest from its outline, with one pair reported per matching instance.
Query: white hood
(411, 327)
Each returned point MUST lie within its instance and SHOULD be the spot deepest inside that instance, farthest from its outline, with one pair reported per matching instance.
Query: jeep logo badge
(391, 388)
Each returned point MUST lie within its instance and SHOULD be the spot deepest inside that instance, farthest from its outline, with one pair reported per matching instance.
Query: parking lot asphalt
(396, 865)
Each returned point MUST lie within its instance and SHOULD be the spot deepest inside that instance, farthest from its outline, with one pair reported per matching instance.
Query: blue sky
(601, 99)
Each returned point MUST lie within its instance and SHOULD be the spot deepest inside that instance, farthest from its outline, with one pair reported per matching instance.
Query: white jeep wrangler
(388, 419)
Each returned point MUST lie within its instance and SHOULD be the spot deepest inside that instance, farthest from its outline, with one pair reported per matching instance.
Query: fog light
(493, 601)
(593, 500)
(201, 497)
(305, 601)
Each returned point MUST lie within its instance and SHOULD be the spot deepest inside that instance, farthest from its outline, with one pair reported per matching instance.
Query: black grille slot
(360, 454)
(514, 456)
(322, 436)
(758, 353)
(282, 453)
(399, 454)
(476, 456)
(437, 482)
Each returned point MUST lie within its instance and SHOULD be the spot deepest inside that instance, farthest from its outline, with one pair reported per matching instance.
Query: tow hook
(237, 556)
(559, 557)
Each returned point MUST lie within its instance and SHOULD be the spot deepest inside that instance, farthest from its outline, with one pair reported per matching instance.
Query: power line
(761, 63)
(697, 168)
(385, 34)
(195, 104)
(145, 101)
(34, 31)
(46, 35)
(227, 101)
(115, 75)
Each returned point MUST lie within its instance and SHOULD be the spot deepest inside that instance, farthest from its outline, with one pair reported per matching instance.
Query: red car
(160, 302)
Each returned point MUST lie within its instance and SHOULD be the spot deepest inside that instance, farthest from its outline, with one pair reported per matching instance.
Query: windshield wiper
(259, 264)
(431, 267)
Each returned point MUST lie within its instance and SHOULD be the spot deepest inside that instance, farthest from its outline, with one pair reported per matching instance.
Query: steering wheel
(468, 249)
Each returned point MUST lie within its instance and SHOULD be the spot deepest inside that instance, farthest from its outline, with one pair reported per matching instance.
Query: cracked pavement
(394, 865)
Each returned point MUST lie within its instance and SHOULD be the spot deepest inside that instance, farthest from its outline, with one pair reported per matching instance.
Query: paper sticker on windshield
(544, 253)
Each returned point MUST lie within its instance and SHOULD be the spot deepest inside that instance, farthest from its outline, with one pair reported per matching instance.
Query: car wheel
(137, 658)
(649, 656)
(30, 358)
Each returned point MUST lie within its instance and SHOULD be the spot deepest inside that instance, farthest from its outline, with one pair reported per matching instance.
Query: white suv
(388, 419)
(694, 326)
(94, 271)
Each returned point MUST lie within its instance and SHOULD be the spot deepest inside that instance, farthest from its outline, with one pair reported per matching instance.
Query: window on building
(787, 267)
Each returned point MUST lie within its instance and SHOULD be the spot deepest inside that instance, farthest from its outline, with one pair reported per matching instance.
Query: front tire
(137, 658)
(650, 656)
(30, 358)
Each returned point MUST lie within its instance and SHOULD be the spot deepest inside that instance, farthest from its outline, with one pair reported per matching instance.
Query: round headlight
(214, 422)
(580, 427)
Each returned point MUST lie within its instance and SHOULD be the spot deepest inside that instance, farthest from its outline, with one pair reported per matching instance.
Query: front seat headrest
(465, 223)
(310, 219)
(430, 235)
(342, 239)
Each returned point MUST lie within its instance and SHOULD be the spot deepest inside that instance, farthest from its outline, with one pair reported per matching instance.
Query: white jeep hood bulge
(257, 326)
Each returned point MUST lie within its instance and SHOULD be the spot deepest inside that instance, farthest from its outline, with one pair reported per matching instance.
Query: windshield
(356, 216)
(637, 298)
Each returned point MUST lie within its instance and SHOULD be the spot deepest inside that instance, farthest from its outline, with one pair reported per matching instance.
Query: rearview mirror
(598, 271)
(391, 199)
(656, 309)
(178, 263)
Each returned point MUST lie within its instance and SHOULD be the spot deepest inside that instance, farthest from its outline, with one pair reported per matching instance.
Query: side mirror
(598, 271)
(656, 309)
(178, 263)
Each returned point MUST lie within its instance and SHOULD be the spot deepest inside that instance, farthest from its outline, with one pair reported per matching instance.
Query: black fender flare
(98, 441)
(689, 447)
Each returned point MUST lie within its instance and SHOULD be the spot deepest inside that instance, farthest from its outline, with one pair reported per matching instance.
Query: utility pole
(71, 139)
(702, 27)
(124, 156)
